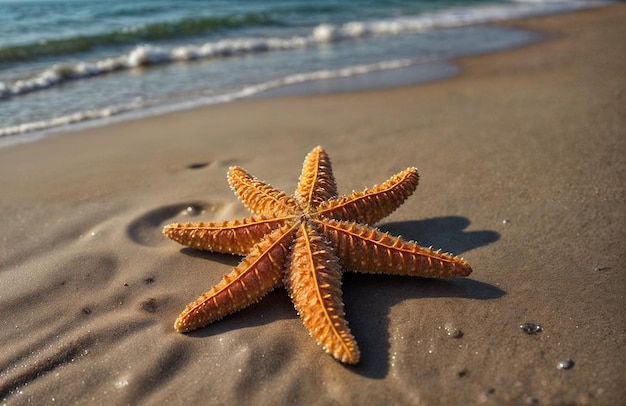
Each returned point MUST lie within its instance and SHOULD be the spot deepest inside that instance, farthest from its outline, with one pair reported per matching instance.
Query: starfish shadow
(226, 259)
(369, 320)
(442, 232)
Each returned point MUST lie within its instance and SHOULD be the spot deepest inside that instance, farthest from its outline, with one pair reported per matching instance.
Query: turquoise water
(70, 62)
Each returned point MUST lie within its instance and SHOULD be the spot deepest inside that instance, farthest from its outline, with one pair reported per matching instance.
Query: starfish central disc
(303, 242)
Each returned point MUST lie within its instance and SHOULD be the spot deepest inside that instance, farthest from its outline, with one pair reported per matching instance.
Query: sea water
(71, 63)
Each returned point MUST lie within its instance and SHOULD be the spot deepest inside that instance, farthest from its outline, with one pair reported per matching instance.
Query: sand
(523, 173)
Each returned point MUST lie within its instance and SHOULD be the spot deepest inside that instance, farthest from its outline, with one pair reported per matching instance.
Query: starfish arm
(371, 205)
(313, 281)
(259, 197)
(317, 183)
(367, 249)
(228, 237)
(256, 275)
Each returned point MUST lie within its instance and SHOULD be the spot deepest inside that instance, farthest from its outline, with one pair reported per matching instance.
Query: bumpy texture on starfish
(303, 242)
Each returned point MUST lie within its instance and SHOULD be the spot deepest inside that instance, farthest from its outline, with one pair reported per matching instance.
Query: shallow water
(68, 62)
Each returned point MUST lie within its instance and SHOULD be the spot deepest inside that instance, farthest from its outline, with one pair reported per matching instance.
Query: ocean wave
(73, 118)
(450, 18)
(247, 91)
(151, 32)
(147, 55)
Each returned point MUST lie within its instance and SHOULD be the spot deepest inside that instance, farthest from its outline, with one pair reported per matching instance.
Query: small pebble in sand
(453, 331)
(506, 221)
(531, 328)
(192, 210)
(567, 364)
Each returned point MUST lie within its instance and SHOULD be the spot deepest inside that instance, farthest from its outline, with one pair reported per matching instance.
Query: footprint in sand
(146, 229)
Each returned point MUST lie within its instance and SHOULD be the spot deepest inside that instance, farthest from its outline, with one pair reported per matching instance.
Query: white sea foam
(456, 17)
(138, 104)
(146, 55)
(73, 118)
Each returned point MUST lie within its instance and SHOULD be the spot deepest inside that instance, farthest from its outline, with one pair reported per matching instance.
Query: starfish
(303, 242)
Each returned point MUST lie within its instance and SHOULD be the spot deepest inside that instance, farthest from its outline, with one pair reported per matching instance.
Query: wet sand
(522, 169)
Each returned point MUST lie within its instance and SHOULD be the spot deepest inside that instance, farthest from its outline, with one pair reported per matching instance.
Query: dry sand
(522, 173)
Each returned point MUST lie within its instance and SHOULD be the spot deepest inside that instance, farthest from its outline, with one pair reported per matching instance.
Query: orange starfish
(303, 242)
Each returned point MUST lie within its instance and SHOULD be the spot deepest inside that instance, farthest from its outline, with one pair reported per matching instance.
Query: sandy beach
(522, 172)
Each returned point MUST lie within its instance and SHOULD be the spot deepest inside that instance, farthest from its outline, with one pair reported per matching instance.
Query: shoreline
(522, 173)
(416, 74)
